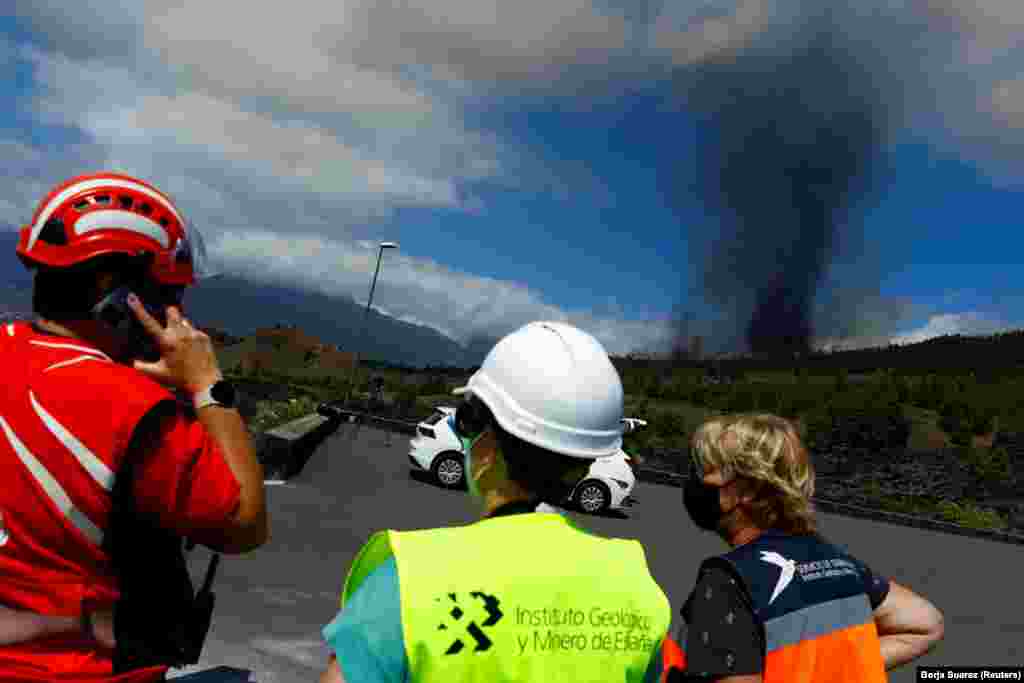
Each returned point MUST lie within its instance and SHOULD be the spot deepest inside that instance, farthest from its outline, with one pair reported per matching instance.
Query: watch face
(223, 393)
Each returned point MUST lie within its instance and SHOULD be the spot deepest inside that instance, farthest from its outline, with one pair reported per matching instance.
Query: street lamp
(373, 285)
(369, 302)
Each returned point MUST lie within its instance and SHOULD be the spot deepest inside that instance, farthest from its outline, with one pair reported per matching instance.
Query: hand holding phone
(187, 358)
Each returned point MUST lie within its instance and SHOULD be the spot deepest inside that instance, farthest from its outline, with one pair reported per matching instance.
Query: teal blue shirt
(366, 636)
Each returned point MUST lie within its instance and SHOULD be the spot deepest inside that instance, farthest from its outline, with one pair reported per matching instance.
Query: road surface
(273, 603)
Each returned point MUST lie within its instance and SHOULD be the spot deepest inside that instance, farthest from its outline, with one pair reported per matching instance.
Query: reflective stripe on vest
(51, 487)
(834, 641)
(817, 630)
(61, 453)
(527, 597)
(48, 483)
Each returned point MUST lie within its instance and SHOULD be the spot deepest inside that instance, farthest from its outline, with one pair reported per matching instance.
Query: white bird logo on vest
(788, 568)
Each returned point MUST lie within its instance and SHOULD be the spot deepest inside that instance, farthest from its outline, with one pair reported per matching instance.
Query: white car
(437, 449)
(608, 484)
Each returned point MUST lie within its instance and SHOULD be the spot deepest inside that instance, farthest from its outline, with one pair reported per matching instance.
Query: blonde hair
(766, 452)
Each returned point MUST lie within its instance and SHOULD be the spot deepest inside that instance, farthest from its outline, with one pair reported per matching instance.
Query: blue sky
(518, 154)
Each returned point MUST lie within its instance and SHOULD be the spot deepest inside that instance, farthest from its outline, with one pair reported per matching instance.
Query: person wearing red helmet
(107, 467)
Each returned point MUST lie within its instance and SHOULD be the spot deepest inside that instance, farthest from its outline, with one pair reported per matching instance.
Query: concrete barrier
(284, 450)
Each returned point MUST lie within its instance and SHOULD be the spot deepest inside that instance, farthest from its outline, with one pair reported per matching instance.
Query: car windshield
(435, 418)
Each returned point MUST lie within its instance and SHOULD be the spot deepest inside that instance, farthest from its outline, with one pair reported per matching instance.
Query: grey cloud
(389, 84)
(84, 29)
(463, 306)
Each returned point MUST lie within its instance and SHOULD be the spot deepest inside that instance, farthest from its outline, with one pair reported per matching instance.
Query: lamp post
(366, 312)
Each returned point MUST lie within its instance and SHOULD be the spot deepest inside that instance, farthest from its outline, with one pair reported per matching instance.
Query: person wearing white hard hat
(523, 594)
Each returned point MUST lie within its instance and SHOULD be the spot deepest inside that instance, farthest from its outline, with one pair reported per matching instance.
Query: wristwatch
(220, 393)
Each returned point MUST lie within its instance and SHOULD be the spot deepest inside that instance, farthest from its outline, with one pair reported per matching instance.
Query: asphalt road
(273, 603)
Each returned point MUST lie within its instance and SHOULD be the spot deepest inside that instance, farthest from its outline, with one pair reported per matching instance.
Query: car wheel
(448, 470)
(592, 496)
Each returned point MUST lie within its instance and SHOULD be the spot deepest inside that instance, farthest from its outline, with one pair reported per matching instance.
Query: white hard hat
(553, 385)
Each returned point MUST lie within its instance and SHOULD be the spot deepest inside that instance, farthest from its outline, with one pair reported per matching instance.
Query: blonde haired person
(784, 604)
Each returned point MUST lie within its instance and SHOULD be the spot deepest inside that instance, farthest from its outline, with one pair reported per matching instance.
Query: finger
(173, 315)
(156, 370)
(149, 323)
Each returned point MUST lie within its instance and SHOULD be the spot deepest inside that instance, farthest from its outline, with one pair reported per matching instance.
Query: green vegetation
(989, 465)
(858, 407)
(271, 414)
(883, 410)
(965, 513)
(970, 515)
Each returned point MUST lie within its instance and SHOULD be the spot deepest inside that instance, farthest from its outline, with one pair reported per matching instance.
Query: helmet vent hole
(103, 199)
(146, 209)
(53, 232)
(164, 222)
(82, 205)
(126, 202)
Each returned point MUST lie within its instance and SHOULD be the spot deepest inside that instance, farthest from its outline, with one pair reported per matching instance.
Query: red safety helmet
(109, 213)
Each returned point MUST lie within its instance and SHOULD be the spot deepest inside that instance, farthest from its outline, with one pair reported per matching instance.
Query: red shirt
(67, 415)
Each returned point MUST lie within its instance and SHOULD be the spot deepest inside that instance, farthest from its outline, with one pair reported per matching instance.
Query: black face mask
(702, 503)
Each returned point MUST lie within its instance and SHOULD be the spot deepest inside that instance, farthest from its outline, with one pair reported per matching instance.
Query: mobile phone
(115, 310)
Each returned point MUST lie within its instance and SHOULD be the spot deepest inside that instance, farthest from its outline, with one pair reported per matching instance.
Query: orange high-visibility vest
(672, 657)
(810, 599)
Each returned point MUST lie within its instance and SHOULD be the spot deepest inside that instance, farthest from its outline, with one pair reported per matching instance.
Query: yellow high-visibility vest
(526, 597)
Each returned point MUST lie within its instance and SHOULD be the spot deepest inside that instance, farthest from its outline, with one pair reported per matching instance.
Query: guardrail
(284, 450)
(357, 416)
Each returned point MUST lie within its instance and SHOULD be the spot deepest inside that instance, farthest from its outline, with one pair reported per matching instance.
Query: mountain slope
(240, 306)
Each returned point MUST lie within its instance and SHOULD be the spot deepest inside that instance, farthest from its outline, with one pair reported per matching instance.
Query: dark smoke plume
(683, 332)
(788, 147)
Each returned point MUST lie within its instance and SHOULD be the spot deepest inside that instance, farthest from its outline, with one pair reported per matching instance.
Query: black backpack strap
(159, 620)
(201, 615)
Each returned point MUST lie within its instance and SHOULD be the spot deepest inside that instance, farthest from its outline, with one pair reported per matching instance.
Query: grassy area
(688, 411)
(440, 400)
(788, 378)
(964, 513)
(924, 429)
(271, 414)
(925, 433)
(1014, 422)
